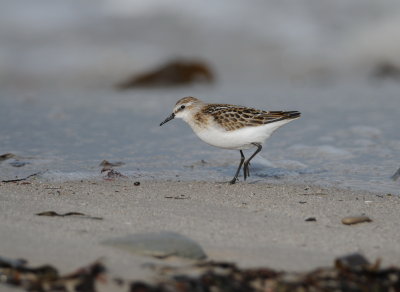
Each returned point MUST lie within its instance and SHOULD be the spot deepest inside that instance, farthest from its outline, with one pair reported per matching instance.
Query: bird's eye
(182, 106)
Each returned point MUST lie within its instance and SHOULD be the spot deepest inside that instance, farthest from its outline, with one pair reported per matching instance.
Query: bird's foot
(233, 181)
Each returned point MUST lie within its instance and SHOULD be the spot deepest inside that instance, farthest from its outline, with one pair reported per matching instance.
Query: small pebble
(136, 183)
(311, 219)
(355, 220)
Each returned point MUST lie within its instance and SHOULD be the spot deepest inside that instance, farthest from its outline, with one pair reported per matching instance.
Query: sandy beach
(252, 225)
(62, 115)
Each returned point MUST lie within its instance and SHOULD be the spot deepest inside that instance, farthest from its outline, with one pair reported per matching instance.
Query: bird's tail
(292, 114)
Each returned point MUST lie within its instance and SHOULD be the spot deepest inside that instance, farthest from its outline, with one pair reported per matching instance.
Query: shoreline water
(346, 136)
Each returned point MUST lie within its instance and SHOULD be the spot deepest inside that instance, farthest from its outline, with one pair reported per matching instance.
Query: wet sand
(252, 225)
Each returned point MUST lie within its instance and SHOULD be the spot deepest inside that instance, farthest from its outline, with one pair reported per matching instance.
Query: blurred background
(338, 62)
(92, 43)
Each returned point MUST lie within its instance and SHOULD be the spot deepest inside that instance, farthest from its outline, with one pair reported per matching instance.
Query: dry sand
(250, 224)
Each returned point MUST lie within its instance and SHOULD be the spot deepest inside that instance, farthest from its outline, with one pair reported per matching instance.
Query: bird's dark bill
(168, 119)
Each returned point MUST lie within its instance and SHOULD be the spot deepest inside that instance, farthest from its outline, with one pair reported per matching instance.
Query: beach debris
(18, 163)
(310, 219)
(109, 165)
(45, 278)
(139, 286)
(159, 245)
(386, 70)
(355, 220)
(21, 179)
(396, 175)
(227, 277)
(80, 215)
(6, 156)
(349, 273)
(112, 174)
(352, 261)
(180, 197)
(313, 194)
(11, 263)
(17, 273)
(174, 73)
(136, 183)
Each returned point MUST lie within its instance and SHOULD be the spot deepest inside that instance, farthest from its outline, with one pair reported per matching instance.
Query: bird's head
(183, 109)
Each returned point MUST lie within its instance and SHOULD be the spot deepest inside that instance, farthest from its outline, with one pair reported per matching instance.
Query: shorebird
(231, 126)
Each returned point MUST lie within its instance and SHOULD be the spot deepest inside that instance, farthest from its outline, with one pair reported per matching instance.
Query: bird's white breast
(237, 139)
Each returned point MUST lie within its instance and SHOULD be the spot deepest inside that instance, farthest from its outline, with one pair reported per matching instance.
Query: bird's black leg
(238, 170)
(246, 169)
